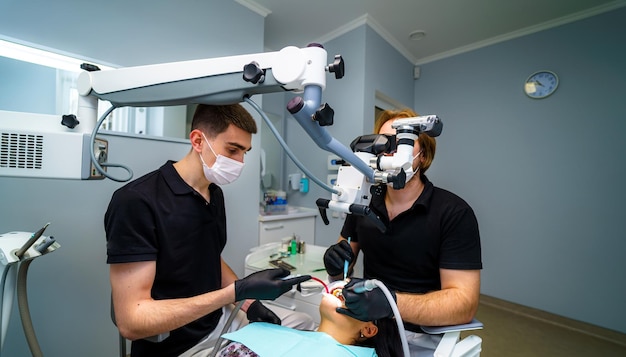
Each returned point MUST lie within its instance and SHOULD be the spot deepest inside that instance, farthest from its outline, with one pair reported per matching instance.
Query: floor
(508, 333)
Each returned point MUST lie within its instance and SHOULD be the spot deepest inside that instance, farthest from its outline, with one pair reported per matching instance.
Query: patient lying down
(337, 335)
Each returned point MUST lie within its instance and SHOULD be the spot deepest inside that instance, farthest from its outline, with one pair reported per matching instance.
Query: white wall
(69, 289)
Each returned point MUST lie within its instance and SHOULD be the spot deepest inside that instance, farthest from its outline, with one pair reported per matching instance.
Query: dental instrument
(20, 252)
(321, 282)
(345, 265)
(17, 252)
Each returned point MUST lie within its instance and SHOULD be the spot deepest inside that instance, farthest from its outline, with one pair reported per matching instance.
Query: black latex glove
(366, 306)
(257, 312)
(336, 256)
(266, 284)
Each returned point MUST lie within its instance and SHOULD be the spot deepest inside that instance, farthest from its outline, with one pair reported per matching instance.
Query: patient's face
(332, 300)
(329, 304)
(341, 322)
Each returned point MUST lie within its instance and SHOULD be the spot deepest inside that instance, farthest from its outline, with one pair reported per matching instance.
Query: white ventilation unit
(37, 145)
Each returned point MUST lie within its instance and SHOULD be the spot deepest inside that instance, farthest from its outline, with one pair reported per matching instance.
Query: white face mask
(224, 171)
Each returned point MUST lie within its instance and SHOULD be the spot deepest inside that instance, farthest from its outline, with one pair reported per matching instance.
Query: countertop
(311, 262)
(292, 212)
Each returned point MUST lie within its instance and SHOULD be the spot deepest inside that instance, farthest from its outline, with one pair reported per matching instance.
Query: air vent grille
(21, 151)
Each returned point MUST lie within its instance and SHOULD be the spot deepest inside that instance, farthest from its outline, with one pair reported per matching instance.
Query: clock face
(541, 84)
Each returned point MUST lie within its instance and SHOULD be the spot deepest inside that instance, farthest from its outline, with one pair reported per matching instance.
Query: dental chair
(122, 340)
(451, 344)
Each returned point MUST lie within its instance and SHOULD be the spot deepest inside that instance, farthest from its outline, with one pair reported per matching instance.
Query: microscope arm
(223, 80)
(227, 80)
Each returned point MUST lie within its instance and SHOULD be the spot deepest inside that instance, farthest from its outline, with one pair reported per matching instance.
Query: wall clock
(541, 84)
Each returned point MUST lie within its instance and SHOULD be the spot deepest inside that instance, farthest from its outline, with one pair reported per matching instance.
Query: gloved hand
(266, 284)
(335, 257)
(257, 312)
(366, 306)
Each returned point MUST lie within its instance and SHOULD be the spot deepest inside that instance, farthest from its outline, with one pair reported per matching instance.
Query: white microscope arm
(208, 81)
(226, 80)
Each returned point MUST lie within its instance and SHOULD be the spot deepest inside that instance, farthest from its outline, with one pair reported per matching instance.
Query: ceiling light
(417, 35)
(41, 57)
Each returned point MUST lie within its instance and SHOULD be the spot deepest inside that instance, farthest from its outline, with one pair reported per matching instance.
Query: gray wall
(69, 289)
(544, 176)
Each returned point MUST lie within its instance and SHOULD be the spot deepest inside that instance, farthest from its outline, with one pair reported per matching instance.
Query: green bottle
(294, 246)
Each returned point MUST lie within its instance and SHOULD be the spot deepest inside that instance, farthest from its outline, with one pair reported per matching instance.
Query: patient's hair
(387, 341)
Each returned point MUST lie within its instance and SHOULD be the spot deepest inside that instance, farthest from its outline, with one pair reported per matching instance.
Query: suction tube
(218, 343)
(371, 284)
(9, 276)
(22, 301)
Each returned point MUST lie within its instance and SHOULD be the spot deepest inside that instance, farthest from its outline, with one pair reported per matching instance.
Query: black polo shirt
(159, 217)
(440, 230)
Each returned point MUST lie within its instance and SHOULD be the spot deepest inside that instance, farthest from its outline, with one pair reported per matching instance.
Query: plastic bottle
(294, 246)
(304, 184)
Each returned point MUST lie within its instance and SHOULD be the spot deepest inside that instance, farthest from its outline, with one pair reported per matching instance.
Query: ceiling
(450, 26)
